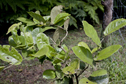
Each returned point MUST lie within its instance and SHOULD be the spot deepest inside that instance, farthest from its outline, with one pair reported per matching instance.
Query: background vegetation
(90, 10)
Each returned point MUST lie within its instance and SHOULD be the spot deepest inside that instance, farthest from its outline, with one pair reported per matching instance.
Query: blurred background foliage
(90, 10)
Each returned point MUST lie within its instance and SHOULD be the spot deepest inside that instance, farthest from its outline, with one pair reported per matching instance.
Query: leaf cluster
(32, 43)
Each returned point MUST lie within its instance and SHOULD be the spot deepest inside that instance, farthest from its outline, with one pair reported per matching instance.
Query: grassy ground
(30, 72)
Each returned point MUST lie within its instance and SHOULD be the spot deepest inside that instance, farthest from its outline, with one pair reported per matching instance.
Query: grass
(31, 71)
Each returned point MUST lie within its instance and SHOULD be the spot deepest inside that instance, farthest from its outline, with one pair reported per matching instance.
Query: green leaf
(59, 74)
(68, 70)
(114, 25)
(75, 64)
(51, 52)
(49, 74)
(27, 54)
(11, 41)
(83, 44)
(47, 28)
(82, 65)
(28, 38)
(42, 58)
(59, 58)
(37, 16)
(25, 20)
(107, 52)
(42, 40)
(13, 27)
(99, 73)
(28, 29)
(95, 49)
(35, 20)
(60, 17)
(84, 54)
(10, 55)
(86, 81)
(1, 68)
(62, 22)
(41, 52)
(55, 11)
(22, 40)
(99, 76)
(91, 32)
(35, 32)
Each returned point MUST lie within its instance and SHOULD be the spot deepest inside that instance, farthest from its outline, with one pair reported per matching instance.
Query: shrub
(32, 43)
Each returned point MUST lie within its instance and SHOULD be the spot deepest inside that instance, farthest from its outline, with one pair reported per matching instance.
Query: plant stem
(64, 37)
(76, 78)
(83, 71)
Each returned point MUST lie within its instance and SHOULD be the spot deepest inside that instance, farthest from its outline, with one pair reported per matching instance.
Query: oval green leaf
(99, 73)
(91, 32)
(47, 28)
(99, 76)
(13, 27)
(68, 70)
(42, 40)
(35, 32)
(49, 74)
(95, 49)
(107, 52)
(75, 63)
(11, 41)
(59, 58)
(28, 38)
(10, 55)
(60, 17)
(36, 16)
(25, 20)
(84, 54)
(114, 25)
(51, 52)
(41, 52)
(84, 45)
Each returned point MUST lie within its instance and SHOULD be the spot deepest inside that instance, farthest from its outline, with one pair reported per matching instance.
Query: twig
(76, 78)
(63, 29)
(53, 41)
(63, 49)
(82, 71)
(8, 67)
(64, 37)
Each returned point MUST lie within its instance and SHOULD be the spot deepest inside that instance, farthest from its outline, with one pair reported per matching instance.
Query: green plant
(33, 43)
(78, 9)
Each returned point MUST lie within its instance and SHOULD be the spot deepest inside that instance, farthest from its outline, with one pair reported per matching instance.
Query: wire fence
(119, 11)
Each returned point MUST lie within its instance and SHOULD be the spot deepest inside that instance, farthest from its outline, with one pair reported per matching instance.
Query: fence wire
(119, 11)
